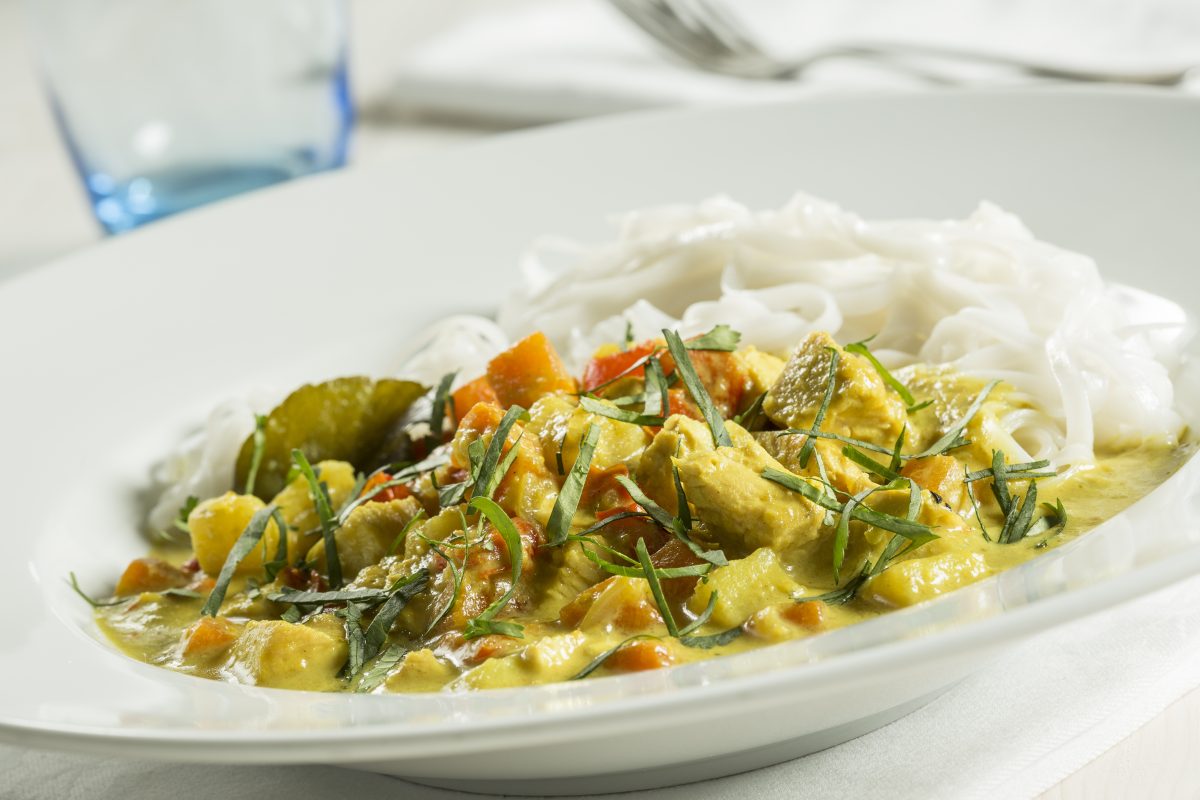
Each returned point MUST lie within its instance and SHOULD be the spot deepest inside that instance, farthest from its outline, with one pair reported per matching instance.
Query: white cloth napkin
(1013, 730)
(562, 59)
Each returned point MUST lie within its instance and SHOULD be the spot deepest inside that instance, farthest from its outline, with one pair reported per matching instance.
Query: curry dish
(678, 501)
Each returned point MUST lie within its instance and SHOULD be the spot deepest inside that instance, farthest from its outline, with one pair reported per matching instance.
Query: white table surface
(44, 214)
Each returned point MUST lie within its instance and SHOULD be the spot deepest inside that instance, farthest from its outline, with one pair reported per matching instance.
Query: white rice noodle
(980, 294)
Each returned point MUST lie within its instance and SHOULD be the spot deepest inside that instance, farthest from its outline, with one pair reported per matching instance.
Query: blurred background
(119, 112)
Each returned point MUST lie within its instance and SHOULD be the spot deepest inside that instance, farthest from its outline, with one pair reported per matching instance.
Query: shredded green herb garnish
(1058, 513)
(486, 622)
(1015, 472)
(356, 640)
(402, 592)
(713, 640)
(175, 591)
(633, 569)
(860, 348)
(897, 458)
(685, 512)
(291, 614)
(437, 414)
(603, 409)
(181, 518)
(489, 475)
(567, 501)
(687, 373)
(910, 529)
(811, 442)
(954, 437)
(256, 455)
(299, 597)
(246, 542)
(673, 524)
(456, 574)
(841, 536)
(628, 341)
(403, 534)
(73, 582)
(319, 493)
(721, 337)
(658, 402)
(374, 676)
(651, 577)
(704, 617)
(750, 417)
(599, 660)
(888, 473)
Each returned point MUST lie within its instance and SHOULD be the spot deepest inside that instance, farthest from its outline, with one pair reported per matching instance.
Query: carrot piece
(477, 391)
(150, 575)
(527, 371)
(641, 655)
(384, 495)
(809, 615)
(207, 636)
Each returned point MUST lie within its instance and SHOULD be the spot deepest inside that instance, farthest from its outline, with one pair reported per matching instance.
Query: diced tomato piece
(604, 368)
(150, 575)
(477, 391)
(676, 554)
(641, 655)
(384, 495)
(527, 371)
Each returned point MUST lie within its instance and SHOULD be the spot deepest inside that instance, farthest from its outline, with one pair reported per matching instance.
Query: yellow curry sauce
(696, 520)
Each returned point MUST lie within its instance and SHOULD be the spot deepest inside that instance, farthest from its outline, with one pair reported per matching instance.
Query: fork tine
(658, 18)
(727, 28)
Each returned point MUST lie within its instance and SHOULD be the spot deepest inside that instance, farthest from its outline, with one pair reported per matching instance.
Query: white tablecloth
(1041, 713)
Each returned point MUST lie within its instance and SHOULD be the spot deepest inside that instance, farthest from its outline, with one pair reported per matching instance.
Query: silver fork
(703, 34)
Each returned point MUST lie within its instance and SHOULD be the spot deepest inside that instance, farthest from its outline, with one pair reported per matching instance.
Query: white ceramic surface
(109, 355)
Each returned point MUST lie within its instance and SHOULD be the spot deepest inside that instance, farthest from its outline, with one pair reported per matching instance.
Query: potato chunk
(915, 580)
(368, 535)
(420, 671)
(286, 656)
(862, 406)
(553, 658)
(744, 587)
(217, 523)
(295, 502)
(559, 424)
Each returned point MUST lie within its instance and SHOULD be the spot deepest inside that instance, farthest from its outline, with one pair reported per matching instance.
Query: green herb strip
(953, 437)
(402, 592)
(658, 401)
(685, 512)
(489, 476)
(1017, 524)
(636, 571)
(687, 373)
(329, 524)
(599, 660)
(869, 464)
(1059, 513)
(896, 459)
(567, 502)
(714, 640)
(1014, 472)
(377, 673)
(860, 348)
(602, 409)
(669, 523)
(704, 617)
(256, 455)
(437, 414)
(909, 529)
(369, 597)
(246, 542)
(356, 640)
(181, 518)
(721, 337)
(486, 622)
(831, 384)
(748, 418)
(841, 536)
(651, 577)
(403, 534)
(628, 341)
(73, 582)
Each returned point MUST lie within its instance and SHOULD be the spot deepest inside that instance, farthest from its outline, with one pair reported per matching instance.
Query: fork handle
(892, 49)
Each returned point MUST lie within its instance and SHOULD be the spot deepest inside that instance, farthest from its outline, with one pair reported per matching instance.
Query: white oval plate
(108, 356)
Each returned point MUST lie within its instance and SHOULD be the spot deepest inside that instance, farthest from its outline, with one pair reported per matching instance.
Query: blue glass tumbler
(166, 106)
